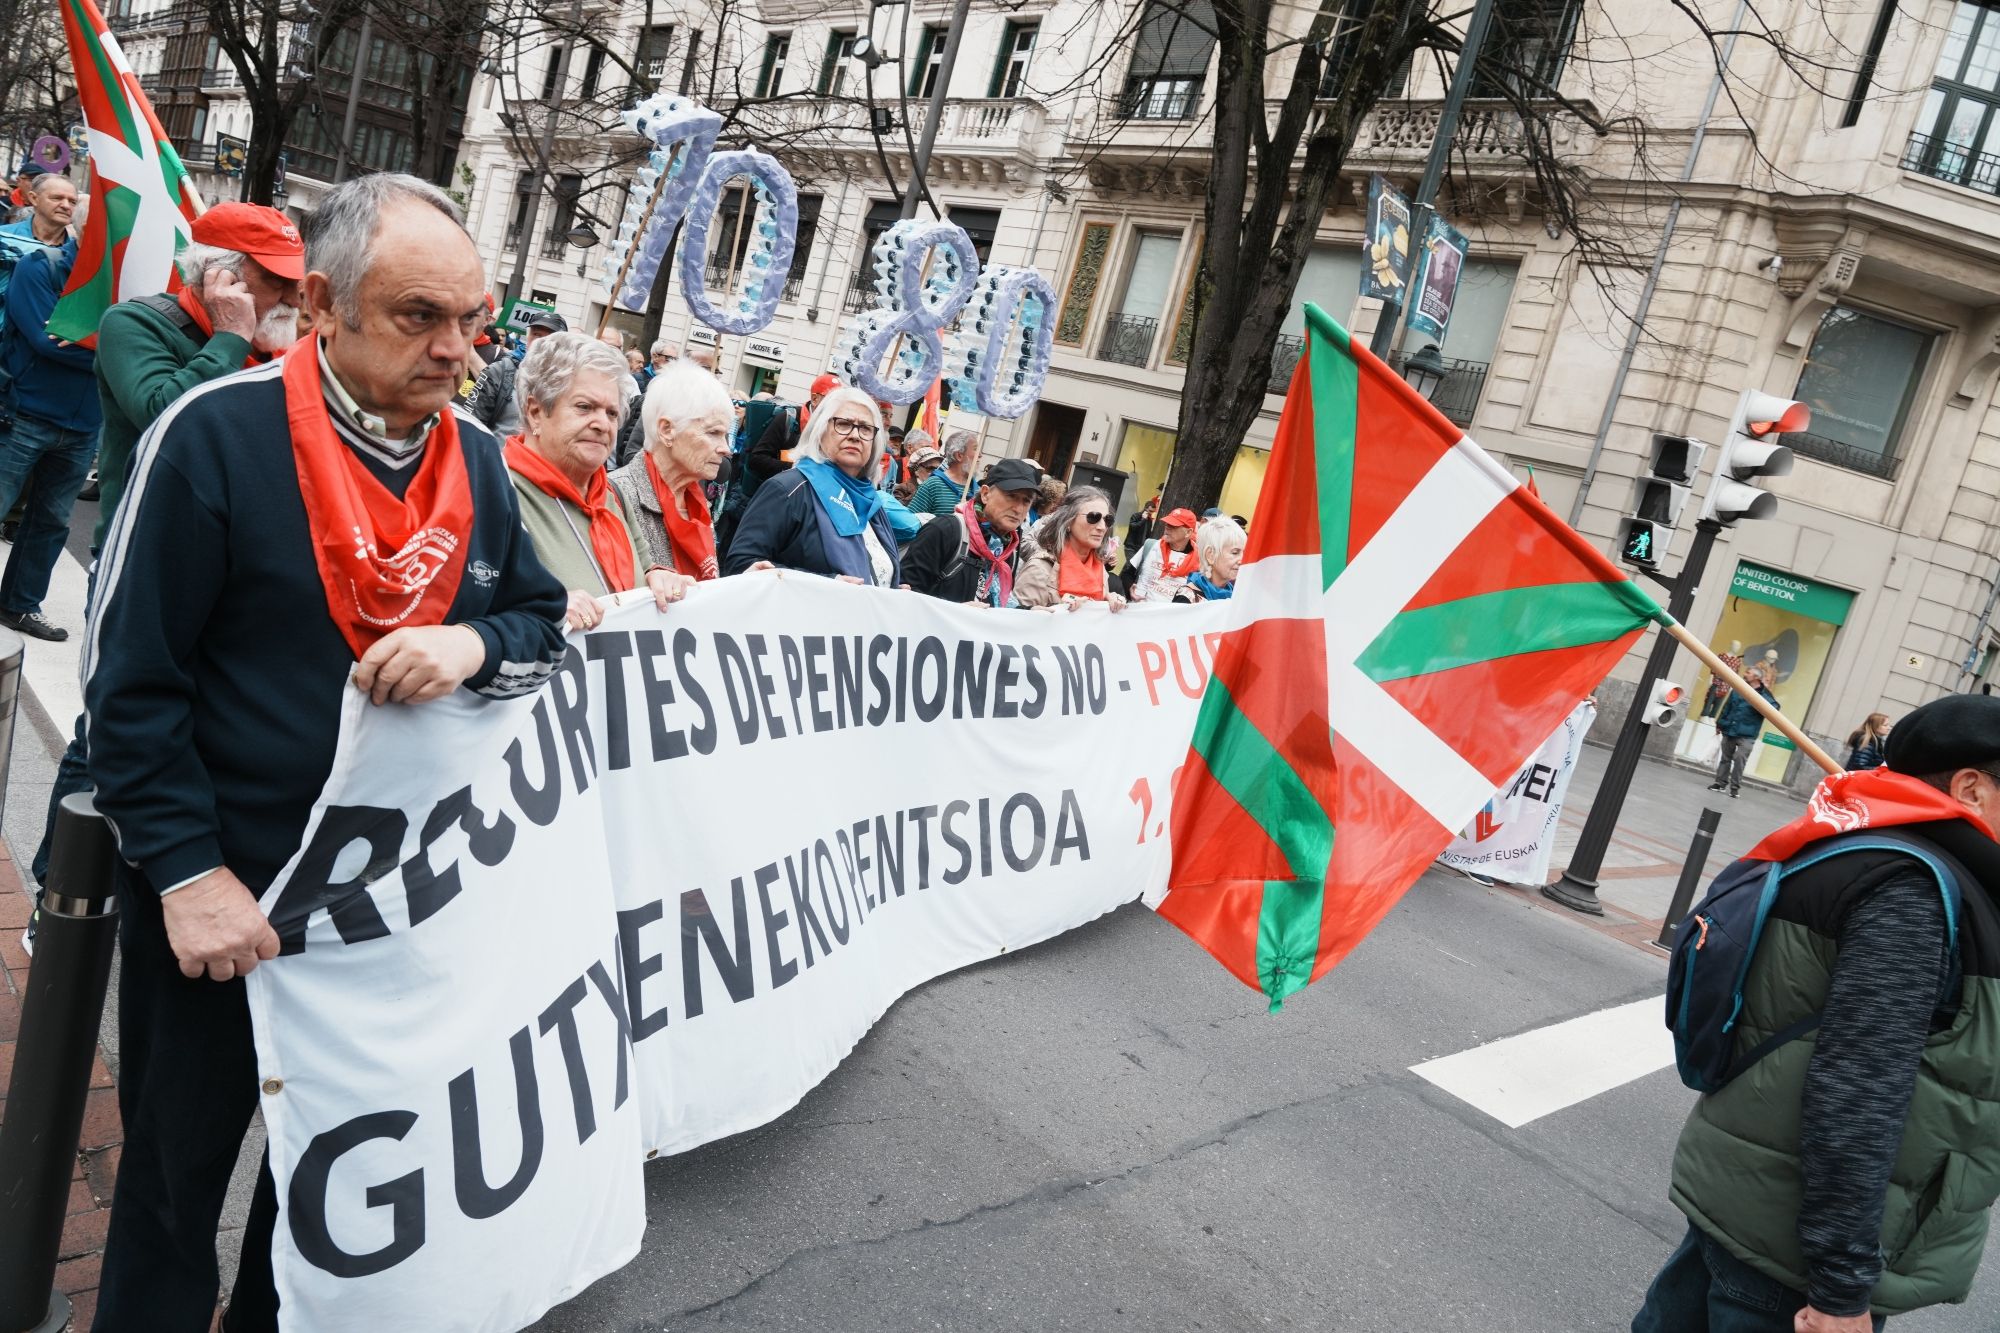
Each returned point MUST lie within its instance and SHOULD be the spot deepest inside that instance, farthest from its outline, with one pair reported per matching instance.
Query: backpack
(12, 250)
(1715, 945)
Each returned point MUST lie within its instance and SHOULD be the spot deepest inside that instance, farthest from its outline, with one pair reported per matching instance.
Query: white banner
(532, 943)
(1514, 836)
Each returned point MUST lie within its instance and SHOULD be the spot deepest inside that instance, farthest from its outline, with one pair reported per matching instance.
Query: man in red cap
(239, 303)
(772, 453)
(1164, 565)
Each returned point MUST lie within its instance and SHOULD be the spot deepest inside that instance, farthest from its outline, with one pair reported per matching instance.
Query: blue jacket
(214, 672)
(1739, 719)
(787, 525)
(47, 381)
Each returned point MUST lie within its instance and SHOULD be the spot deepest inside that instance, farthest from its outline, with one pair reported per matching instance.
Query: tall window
(1860, 379)
(802, 247)
(1526, 47)
(1169, 61)
(839, 59)
(1017, 46)
(1956, 139)
(1130, 332)
(593, 70)
(930, 60)
(656, 46)
(562, 217)
(1345, 49)
(772, 78)
(549, 71)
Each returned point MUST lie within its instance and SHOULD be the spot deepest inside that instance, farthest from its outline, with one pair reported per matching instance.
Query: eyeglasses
(852, 429)
(1095, 516)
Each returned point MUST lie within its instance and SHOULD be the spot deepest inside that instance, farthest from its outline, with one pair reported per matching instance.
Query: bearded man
(320, 524)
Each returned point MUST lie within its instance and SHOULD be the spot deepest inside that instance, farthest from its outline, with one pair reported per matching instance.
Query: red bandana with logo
(693, 537)
(1177, 564)
(610, 547)
(1872, 798)
(385, 563)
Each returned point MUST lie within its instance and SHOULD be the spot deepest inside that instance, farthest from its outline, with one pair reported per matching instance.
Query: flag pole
(1724, 672)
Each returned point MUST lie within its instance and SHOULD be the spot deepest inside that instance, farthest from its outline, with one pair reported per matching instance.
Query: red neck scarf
(1872, 798)
(692, 538)
(610, 544)
(1177, 565)
(1080, 575)
(207, 326)
(1001, 561)
(384, 562)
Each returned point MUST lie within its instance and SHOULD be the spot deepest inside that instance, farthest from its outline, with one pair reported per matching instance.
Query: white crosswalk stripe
(1522, 1078)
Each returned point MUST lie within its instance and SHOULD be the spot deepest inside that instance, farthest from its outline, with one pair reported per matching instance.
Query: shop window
(1526, 48)
(1084, 278)
(1860, 379)
(1146, 452)
(1956, 139)
(1786, 623)
(1169, 61)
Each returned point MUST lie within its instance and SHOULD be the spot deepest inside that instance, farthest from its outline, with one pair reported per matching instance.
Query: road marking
(1523, 1078)
(51, 668)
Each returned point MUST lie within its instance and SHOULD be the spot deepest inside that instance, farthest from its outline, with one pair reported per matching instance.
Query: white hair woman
(1219, 543)
(686, 420)
(824, 516)
(1071, 563)
(572, 391)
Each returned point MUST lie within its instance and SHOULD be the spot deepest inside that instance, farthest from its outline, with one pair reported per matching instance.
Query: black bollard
(1697, 859)
(60, 1015)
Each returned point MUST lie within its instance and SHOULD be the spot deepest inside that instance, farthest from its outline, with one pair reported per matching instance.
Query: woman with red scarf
(1071, 563)
(573, 391)
(686, 421)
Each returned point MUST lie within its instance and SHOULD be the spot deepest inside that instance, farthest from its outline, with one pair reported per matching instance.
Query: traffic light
(1668, 704)
(1750, 451)
(1663, 492)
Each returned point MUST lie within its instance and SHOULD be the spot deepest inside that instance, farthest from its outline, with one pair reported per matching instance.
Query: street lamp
(584, 234)
(1425, 371)
(869, 52)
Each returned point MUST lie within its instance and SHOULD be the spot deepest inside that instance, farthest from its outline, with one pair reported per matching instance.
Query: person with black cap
(1845, 1175)
(493, 401)
(973, 553)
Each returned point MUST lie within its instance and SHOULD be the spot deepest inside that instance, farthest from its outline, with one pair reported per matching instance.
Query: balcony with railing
(1159, 98)
(1128, 339)
(576, 119)
(1457, 395)
(972, 126)
(1842, 454)
(1941, 159)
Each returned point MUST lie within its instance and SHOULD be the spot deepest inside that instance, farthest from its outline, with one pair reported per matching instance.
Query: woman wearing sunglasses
(824, 515)
(1071, 562)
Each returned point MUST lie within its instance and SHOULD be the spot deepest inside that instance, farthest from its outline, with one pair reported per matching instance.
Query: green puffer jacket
(1737, 1173)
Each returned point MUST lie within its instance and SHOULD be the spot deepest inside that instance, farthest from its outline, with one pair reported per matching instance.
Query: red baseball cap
(826, 383)
(1181, 518)
(265, 234)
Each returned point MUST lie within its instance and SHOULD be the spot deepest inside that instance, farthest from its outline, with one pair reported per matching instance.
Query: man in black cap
(492, 398)
(1846, 1174)
(972, 553)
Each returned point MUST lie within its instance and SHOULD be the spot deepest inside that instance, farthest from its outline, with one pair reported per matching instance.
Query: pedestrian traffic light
(1668, 704)
(1750, 451)
(1662, 494)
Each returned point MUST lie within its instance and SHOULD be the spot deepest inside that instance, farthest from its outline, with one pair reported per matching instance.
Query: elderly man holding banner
(234, 609)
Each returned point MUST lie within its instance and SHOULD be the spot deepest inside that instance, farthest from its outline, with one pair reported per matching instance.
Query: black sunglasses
(1095, 516)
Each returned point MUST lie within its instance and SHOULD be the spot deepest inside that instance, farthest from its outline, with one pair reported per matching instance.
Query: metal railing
(1458, 395)
(1128, 340)
(1940, 159)
(555, 244)
(1841, 454)
(1159, 99)
(860, 292)
(1285, 356)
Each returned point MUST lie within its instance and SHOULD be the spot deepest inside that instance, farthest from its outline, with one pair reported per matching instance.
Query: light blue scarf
(849, 501)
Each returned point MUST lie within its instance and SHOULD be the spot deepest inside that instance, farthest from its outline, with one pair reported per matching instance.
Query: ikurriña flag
(1414, 624)
(142, 204)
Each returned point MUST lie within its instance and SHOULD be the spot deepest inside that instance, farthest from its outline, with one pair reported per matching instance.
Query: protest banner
(530, 943)
(1514, 836)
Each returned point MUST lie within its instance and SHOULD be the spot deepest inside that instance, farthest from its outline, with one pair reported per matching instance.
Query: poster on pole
(1437, 282)
(1385, 272)
(1514, 836)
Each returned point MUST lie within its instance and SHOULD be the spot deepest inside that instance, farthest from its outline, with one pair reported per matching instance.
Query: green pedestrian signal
(1639, 543)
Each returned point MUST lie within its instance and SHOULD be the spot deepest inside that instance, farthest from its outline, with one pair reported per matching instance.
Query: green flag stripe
(1499, 624)
(1261, 780)
(1336, 394)
(107, 78)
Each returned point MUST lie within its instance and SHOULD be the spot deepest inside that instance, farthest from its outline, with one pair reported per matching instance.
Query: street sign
(519, 311)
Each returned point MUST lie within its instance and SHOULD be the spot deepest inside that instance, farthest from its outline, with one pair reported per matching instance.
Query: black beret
(1945, 735)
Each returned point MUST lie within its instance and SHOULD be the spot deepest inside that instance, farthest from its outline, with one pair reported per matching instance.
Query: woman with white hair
(1070, 564)
(1219, 543)
(824, 516)
(685, 420)
(572, 391)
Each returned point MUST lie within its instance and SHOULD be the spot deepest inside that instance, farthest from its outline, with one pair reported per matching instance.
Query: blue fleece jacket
(214, 670)
(49, 381)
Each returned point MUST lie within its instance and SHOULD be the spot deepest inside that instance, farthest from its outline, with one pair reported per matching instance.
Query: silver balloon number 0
(681, 180)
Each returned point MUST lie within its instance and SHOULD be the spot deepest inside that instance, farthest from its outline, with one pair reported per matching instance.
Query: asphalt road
(1107, 1132)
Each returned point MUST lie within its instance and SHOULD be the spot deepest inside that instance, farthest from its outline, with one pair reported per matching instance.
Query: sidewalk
(1655, 828)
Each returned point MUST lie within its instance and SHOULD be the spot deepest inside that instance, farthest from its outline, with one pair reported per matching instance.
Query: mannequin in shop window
(1718, 689)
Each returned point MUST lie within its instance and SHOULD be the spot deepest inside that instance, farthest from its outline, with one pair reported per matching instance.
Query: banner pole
(1723, 672)
(632, 250)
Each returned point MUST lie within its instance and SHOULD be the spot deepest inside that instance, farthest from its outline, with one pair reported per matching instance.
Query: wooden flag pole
(1723, 672)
